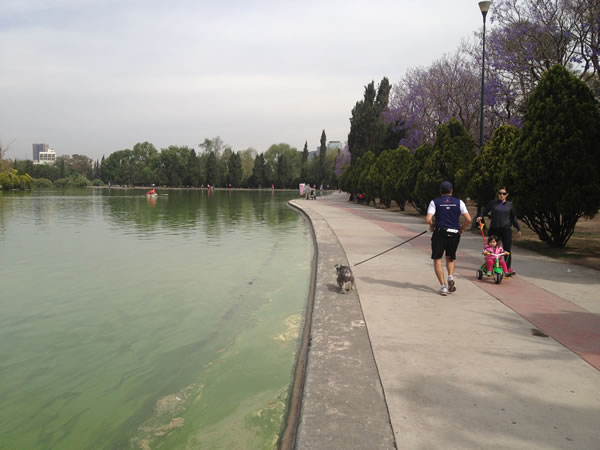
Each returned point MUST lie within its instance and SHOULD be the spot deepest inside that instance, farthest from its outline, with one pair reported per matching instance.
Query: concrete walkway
(394, 364)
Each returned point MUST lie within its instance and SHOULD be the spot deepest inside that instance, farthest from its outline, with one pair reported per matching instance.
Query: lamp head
(484, 7)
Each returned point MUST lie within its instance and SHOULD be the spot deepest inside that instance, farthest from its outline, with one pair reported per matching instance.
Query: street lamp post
(484, 7)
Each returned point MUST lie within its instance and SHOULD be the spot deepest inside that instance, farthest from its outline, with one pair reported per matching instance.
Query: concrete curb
(343, 403)
(288, 437)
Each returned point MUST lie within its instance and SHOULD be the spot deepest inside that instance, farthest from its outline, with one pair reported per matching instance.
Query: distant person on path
(503, 216)
(446, 233)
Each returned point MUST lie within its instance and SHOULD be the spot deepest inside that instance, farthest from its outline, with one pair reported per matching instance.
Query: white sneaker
(444, 290)
(451, 286)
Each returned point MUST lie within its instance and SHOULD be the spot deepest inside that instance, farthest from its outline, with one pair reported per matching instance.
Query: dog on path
(345, 279)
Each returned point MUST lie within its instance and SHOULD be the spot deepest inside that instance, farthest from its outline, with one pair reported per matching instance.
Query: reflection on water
(216, 212)
(132, 323)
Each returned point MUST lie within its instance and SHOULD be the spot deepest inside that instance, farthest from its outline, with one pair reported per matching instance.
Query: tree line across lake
(216, 164)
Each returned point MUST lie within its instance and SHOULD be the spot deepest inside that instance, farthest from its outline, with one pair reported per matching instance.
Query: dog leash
(379, 254)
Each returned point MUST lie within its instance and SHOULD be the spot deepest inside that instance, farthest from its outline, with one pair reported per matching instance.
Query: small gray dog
(345, 279)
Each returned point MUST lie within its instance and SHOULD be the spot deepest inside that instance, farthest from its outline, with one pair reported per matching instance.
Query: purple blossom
(527, 37)
(342, 160)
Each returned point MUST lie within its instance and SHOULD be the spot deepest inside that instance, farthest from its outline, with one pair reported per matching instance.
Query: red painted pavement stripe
(572, 326)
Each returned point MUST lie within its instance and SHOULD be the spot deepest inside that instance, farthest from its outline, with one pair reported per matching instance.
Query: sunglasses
(502, 193)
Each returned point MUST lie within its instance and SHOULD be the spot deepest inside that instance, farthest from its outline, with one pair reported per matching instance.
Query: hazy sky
(96, 76)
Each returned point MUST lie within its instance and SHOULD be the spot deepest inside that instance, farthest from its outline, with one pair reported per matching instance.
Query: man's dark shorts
(444, 241)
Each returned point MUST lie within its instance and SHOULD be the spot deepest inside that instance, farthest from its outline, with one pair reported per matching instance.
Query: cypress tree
(211, 169)
(362, 124)
(103, 172)
(368, 128)
(258, 172)
(555, 165)
(235, 170)
(487, 168)
(453, 151)
(421, 155)
(303, 163)
(322, 158)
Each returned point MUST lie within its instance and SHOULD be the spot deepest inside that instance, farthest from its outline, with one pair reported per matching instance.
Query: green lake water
(134, 323)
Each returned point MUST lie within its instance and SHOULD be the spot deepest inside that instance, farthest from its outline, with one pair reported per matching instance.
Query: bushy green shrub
(14, 179)
(399, 184)
(388, 176)
(26, 181)
(365, 163)
(97, 182)
(10, 179)
(418, 200)
(73, 181)
(488, 167)
(556, 161)
(453, 151)
(5, 181)
(41, 183)
(345, 179)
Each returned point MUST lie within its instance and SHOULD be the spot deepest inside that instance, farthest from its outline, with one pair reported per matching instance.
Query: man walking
(446, 232)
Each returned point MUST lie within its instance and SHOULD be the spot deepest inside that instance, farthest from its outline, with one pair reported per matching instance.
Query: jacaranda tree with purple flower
(428, 97)
(529, 37)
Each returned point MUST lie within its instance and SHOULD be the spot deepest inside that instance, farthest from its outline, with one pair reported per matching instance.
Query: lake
(130, 322)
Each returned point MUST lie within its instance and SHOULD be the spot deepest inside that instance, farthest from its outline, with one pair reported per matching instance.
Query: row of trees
(550, 164)
(65, 167)
(216, 164)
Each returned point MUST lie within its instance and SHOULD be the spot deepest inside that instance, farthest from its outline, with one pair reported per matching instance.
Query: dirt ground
(583, 248)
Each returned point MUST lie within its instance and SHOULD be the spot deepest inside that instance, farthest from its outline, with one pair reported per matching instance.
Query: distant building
(43, 154)
(39, 148)
(335, 145)
(331, 145)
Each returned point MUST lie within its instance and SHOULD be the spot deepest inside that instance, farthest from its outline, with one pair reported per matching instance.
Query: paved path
(462, 371)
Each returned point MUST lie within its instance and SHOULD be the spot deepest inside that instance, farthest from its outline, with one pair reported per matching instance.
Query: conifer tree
(486, 170)
(452, 153)
(323, 157)
(235, 170)
(258, 172)
(303, 163)
(369, 130)
(553, 173)
(211, 169)
(417, 199)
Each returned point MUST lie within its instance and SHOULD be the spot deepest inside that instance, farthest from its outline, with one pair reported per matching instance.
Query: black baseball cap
(445, 187)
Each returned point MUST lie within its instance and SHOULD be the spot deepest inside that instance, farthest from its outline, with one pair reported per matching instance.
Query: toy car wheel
(498, 278)
(479, 274)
